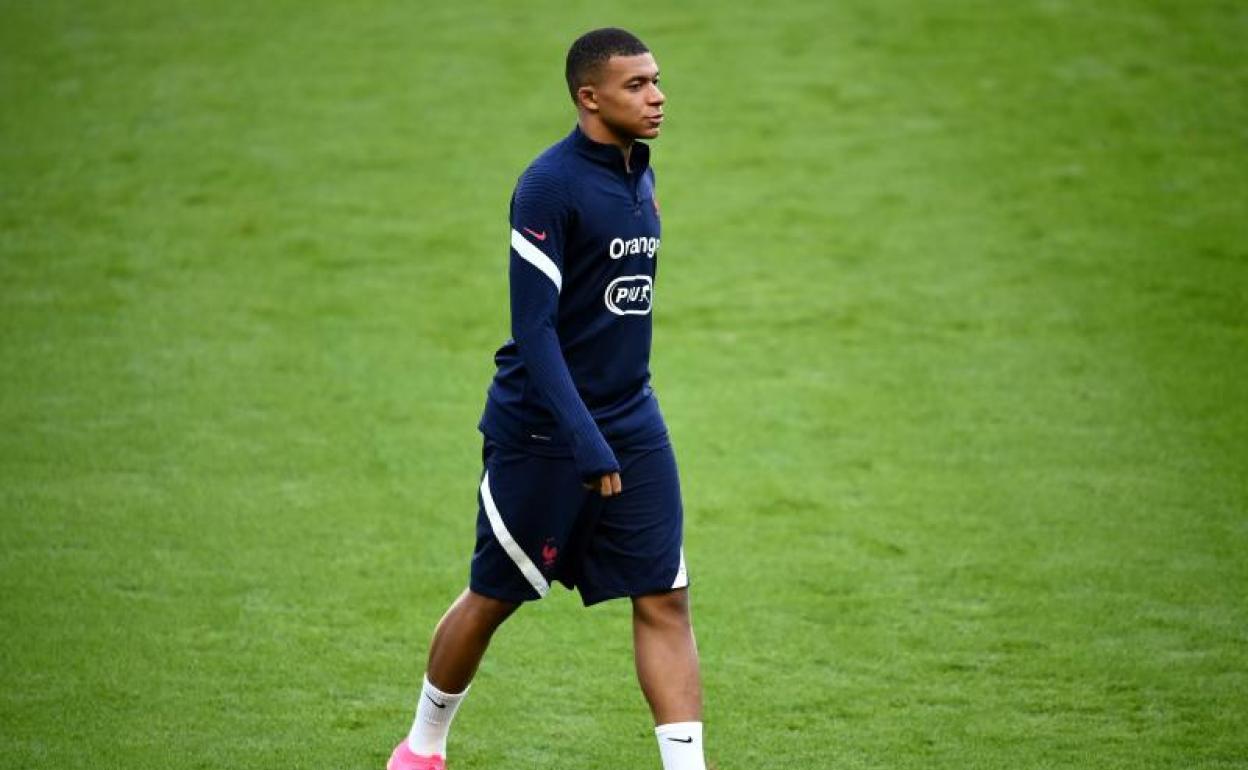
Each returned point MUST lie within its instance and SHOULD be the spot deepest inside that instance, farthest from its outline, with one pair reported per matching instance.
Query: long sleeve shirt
(574, 379)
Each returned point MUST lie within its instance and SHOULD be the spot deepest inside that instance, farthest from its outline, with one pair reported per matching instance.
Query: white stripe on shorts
(682, 577)
(526, 565)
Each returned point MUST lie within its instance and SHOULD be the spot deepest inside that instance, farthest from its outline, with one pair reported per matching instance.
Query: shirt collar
(609, 154)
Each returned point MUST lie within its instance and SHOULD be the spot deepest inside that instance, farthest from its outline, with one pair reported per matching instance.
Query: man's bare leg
(461, 639)
(667, 668)
(459, 642)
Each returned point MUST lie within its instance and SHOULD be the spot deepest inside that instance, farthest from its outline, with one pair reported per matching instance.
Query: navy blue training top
(574, 379)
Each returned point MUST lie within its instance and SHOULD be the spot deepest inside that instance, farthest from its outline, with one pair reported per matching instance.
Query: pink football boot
(404, 759)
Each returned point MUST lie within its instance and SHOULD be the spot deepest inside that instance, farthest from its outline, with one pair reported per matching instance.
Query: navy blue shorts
(536, 523)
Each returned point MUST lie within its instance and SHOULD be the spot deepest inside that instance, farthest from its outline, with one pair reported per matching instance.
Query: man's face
(626, 93)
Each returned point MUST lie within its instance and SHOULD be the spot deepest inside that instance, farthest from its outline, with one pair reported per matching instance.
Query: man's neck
(598, 131)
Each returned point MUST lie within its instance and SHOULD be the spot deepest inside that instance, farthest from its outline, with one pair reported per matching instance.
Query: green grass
(952, 337)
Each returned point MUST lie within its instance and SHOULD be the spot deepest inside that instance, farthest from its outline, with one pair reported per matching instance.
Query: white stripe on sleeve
(537, 258)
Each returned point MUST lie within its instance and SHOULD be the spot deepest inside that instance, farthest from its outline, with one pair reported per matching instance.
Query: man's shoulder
(554, 163)
(552, 174)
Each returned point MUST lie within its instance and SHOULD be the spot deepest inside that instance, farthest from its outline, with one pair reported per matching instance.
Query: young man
(580, 482)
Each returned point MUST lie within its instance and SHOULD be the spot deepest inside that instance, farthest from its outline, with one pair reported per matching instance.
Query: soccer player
(580, 482)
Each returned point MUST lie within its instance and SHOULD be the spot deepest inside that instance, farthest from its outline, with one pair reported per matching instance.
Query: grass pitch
(951, 333)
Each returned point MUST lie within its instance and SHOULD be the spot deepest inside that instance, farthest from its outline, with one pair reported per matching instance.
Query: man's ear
(588, 98)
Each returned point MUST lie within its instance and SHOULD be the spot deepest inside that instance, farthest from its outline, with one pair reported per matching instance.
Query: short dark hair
(591, 50)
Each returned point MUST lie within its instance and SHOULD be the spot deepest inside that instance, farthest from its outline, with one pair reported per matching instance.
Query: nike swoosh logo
(441, 705)
(682, 740)
(540, 236)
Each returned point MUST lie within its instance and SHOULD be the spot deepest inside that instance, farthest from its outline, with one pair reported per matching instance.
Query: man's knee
(484, 610)
(668, 608)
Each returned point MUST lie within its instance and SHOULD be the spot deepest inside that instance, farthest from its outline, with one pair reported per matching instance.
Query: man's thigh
(528, 507)
(635, 544)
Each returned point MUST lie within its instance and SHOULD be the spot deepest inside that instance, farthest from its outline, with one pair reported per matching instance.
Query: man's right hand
(607, 485)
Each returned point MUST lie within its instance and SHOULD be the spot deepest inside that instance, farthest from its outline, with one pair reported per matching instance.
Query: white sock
(680, 746)
(433, 720)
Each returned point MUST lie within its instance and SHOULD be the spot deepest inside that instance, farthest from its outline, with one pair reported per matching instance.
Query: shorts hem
(589, 599)
(510, 597)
